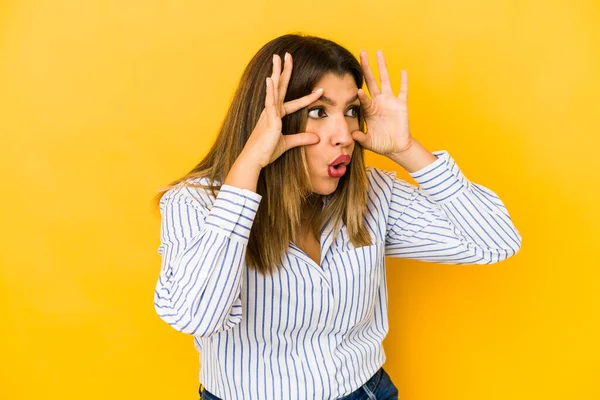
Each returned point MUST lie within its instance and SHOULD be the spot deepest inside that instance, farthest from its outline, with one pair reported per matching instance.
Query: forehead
(335, 86)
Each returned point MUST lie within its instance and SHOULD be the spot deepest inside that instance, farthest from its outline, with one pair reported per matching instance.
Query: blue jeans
(378, 387)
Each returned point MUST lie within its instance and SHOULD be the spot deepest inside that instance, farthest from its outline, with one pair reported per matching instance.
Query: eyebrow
(327, 100)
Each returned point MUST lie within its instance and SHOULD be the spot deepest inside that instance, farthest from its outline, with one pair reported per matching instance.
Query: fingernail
(273, 57)
(286, 56)
(318, 90)
(267, 82)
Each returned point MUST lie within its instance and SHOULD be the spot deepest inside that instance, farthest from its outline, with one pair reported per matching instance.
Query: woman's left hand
(386, 115)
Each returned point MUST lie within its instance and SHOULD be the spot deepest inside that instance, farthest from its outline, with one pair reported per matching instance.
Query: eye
(317, 112)
(352, 112)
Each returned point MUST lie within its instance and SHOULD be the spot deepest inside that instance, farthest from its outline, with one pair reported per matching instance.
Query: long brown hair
(284, 184)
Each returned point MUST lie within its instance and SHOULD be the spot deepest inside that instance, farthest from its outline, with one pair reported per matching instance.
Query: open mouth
(337, 168)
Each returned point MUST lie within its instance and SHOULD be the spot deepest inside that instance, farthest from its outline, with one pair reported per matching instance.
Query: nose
(340, 132)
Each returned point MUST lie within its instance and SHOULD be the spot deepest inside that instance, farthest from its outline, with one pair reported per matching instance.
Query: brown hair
(284, 184)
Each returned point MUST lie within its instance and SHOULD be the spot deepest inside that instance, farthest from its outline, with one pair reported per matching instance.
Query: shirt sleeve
(203, 248)
(448, 219)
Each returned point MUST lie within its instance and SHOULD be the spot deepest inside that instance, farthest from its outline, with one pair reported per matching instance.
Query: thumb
(300, 139)
(362, 138)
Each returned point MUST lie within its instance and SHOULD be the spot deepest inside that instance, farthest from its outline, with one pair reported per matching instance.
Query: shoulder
(384, 186)
(195, 192)
(379, 177)
(380, 180)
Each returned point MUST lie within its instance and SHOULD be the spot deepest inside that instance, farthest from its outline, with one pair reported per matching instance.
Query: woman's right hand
(266, 142)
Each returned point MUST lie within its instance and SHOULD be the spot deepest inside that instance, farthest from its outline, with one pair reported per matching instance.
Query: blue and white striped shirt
(312, 331)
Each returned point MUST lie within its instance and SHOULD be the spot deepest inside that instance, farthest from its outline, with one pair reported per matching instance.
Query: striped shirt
(312, 331)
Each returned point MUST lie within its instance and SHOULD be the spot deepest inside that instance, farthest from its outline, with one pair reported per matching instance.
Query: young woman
(273, 247)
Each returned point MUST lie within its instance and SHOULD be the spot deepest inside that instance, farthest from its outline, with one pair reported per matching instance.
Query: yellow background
(103, 102)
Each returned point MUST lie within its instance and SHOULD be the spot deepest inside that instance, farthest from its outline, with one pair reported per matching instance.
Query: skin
(333, 117)
(386, 116)
(387, 133)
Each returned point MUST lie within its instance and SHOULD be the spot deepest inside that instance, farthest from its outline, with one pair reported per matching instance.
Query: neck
(311, 209)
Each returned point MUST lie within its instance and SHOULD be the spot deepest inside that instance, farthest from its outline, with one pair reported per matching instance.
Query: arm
(203, 249)
(203, 244)
(448, 219)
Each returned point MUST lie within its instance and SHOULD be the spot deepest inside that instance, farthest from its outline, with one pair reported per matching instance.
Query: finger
(270, 100)
(403, 86)
(364, 139)
(369, 78)
(295, 105)
(365, 101)
(386, 86)
(300, 139)
(276, 75)
(285, 76)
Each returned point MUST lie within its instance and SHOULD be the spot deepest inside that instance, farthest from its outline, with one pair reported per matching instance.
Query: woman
(273, 247)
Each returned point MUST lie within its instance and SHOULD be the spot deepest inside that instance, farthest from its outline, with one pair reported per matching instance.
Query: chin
(326, 187)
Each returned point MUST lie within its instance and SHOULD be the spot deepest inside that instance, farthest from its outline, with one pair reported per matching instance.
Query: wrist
(399, 157)
(414, 158)
(249, 161)
(244, 173)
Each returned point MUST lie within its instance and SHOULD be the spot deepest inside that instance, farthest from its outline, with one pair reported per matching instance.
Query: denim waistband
(371, 384)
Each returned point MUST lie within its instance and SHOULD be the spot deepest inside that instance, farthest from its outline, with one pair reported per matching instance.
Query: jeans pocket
(206, 395)
(386, 390)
